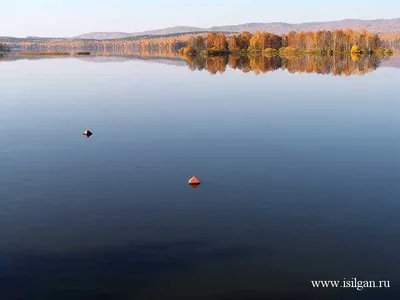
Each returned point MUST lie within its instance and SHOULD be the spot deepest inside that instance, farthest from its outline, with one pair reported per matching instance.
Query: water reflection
(341, 65)
(305, 161)
(335, 65)
(98, 274)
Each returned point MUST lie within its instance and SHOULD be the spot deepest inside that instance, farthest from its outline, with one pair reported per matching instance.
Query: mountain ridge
(379, 26)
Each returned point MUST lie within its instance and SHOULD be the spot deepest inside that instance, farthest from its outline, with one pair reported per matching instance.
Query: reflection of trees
(256, 63)
(352, 64)
(212, 64)
(217, 64)
(320, 64)
(336, 65)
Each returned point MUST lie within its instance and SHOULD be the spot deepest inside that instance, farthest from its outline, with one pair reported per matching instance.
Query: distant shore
(284, 53)
(336, 42)
(53, 53)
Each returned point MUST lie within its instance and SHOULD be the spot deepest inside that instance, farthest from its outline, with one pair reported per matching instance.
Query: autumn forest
(213, 43)
(321, 42)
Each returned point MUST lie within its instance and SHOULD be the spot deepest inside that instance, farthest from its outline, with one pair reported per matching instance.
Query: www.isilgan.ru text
(353, 283)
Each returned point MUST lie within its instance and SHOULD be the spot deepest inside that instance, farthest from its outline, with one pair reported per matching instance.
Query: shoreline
(205, 54)
(286, 52)
(44, 53)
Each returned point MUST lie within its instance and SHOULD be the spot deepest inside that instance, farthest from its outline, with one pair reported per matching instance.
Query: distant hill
(121, 35)
(376, 26)
(379, 26)
(103, 35)
(170, 30)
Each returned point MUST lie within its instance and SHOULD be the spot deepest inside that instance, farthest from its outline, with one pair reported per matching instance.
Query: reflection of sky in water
(299, 178)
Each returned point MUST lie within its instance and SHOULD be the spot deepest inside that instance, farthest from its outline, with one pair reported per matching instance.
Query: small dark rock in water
(87, 133)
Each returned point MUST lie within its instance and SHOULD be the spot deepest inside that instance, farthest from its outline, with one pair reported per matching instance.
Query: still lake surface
(300, 181)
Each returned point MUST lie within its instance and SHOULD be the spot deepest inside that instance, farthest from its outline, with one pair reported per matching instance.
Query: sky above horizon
(67, 18)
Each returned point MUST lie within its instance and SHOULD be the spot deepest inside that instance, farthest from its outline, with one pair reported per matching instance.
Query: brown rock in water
(194, 181)
(87, 133)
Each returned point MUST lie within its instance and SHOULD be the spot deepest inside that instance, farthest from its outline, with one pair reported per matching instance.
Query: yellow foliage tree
(355, 49)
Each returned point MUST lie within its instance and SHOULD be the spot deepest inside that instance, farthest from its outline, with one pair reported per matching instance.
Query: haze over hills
(377, 26)
(119, 35)
(103, 35)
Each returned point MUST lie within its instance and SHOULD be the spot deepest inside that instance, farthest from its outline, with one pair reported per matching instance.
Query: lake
(300, 178)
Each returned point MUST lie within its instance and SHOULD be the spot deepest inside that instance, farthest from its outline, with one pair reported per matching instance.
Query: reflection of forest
(353, 64)
(321, 64)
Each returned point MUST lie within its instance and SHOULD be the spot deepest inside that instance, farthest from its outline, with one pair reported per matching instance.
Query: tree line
(391, 40)
(337, 41)
(161, 44)
(4, 48)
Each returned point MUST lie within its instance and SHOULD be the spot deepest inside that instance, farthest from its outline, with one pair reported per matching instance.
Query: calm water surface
(300, 181)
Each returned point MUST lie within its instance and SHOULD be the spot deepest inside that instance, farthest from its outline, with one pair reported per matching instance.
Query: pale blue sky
(72, 17)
